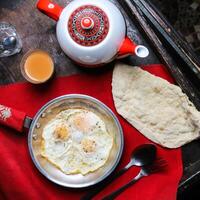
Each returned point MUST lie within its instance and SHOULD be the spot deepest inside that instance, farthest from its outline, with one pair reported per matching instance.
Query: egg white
(86, 147)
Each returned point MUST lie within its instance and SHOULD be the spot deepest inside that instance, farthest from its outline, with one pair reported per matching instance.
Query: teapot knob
(87, 23)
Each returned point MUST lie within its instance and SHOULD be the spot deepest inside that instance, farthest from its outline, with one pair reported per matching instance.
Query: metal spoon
(142, 156)
(159, 165)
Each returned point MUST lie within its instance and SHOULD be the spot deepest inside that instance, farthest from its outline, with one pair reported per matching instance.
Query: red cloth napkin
(19, 178)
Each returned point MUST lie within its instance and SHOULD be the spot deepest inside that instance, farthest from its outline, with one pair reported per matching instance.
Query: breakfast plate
(103, 161)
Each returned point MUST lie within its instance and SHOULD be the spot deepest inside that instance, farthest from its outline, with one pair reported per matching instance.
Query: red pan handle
(12, 118)
(50, 9)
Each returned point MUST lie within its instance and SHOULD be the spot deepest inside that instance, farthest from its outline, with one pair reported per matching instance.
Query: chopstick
(138, 17)
(181, 48)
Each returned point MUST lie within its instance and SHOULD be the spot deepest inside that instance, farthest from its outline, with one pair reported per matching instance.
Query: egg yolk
(81, 123)
(61, 132)
(88, 145)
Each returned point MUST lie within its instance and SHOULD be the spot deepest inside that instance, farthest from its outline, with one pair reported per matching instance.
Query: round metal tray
(47, 112)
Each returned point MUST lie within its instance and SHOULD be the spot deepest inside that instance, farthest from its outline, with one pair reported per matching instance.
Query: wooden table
(38, 31)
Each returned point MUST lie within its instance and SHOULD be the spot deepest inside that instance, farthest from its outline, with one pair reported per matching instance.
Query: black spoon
(142, 156)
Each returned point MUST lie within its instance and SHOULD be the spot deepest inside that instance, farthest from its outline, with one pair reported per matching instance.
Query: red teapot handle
(12, 118)
(50, 9)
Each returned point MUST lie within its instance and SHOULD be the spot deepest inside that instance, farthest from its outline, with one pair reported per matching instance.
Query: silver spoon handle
(114, 194)
(94, 191)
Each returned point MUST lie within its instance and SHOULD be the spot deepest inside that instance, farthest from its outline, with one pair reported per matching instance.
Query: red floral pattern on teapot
(92, 33)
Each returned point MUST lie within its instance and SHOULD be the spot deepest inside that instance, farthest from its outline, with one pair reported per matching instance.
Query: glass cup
(10, 42)
(37, 66)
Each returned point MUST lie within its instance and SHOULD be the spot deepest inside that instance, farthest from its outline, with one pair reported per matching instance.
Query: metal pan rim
(71, 96)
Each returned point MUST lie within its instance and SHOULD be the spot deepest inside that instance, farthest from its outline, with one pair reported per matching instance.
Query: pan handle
(12, 118)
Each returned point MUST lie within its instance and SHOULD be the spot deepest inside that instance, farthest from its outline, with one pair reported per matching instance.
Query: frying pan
(18, 120)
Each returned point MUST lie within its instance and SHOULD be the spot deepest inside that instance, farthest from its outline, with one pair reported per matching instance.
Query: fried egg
(76, 141)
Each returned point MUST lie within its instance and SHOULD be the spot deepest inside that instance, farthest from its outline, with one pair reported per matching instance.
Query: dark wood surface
(38, 31)
(155, 30)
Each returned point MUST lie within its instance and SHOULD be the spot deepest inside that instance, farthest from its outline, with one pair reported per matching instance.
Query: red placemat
(19, 178)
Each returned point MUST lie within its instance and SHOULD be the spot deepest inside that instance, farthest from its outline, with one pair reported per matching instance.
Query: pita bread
(158, 109)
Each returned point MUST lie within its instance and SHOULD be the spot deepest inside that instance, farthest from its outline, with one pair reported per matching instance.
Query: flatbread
(157, 108)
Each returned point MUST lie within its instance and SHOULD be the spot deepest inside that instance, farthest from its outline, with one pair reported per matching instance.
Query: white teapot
(91, 32)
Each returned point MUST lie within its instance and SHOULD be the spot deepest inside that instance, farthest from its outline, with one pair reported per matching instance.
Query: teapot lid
(88, 25)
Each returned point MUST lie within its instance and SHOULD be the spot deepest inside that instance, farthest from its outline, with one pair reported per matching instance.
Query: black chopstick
(137, 16)
(170, 29)
(181, 48)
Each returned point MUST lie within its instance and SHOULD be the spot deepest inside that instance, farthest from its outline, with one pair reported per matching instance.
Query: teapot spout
(128, 47)
(50, 9)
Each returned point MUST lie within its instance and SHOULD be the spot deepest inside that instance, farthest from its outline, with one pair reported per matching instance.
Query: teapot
(91, 32)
